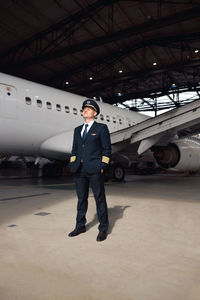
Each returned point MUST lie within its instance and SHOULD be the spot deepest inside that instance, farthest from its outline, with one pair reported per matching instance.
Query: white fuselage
(34, 117)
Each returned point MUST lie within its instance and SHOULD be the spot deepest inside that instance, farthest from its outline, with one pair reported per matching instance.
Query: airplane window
(49, 105)
(67, 110)
(101, 117)
(58, 107)
(28, 100)
(120, 121)
(39, 103)
(107, 118)
(8, 93)
(75, 111)
(114, 120)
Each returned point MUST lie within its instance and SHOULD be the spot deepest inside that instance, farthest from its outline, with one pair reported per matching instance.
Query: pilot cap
(91, 103)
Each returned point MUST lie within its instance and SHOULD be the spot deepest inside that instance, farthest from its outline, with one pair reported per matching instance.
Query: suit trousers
(96, 180)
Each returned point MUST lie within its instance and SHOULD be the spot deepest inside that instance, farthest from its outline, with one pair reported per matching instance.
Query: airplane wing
(179, 122)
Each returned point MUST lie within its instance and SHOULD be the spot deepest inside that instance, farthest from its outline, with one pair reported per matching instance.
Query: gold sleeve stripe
(105, 159)
(72, 159)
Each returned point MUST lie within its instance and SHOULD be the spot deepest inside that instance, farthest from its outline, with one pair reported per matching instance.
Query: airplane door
(128, 122)
(8, 102)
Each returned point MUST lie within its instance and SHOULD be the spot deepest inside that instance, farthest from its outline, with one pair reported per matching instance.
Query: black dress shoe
(77, 231)
(101, 236)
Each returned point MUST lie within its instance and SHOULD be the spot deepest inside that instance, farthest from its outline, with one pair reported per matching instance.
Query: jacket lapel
(91, 128)
(80, 129)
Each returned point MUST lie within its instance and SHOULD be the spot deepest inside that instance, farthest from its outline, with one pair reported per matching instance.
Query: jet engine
(181, 155)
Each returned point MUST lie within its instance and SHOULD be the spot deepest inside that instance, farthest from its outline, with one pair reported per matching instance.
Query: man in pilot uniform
(90, 156)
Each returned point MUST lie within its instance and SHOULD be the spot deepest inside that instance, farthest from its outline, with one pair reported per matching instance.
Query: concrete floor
(151, 253)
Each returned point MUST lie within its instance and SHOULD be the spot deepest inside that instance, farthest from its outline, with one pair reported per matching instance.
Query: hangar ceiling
(116, 49)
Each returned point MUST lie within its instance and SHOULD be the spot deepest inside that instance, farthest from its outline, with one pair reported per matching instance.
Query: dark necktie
(85, 132)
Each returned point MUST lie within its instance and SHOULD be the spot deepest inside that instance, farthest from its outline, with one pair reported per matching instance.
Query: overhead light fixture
(155, 64)
(120, 71)
(196, 51)
(67, 82)
(119, 94)
(91, 78)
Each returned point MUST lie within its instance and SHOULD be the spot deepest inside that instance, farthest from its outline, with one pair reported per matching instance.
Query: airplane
(38, 121)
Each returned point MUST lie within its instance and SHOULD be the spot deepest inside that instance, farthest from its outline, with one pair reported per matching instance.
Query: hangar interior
(126, 53)
(115, 50)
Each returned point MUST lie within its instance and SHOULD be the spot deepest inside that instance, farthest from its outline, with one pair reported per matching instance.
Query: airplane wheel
(118, 173)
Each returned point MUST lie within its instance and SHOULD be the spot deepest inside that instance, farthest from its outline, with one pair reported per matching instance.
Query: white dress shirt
(88, 128)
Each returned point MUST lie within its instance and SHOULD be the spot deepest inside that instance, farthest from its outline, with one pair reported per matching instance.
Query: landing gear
(118, 173)
(115, 172)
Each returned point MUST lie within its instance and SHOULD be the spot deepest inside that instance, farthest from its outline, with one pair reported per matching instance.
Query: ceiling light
(155, 64)
(120, 71)
(91, 78)
(196, 51)
(67, 82)
(119, 94)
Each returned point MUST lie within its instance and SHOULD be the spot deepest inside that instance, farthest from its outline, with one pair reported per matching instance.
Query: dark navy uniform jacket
(94, 152)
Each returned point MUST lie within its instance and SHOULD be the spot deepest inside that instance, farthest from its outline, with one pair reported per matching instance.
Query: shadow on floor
(114, 213)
